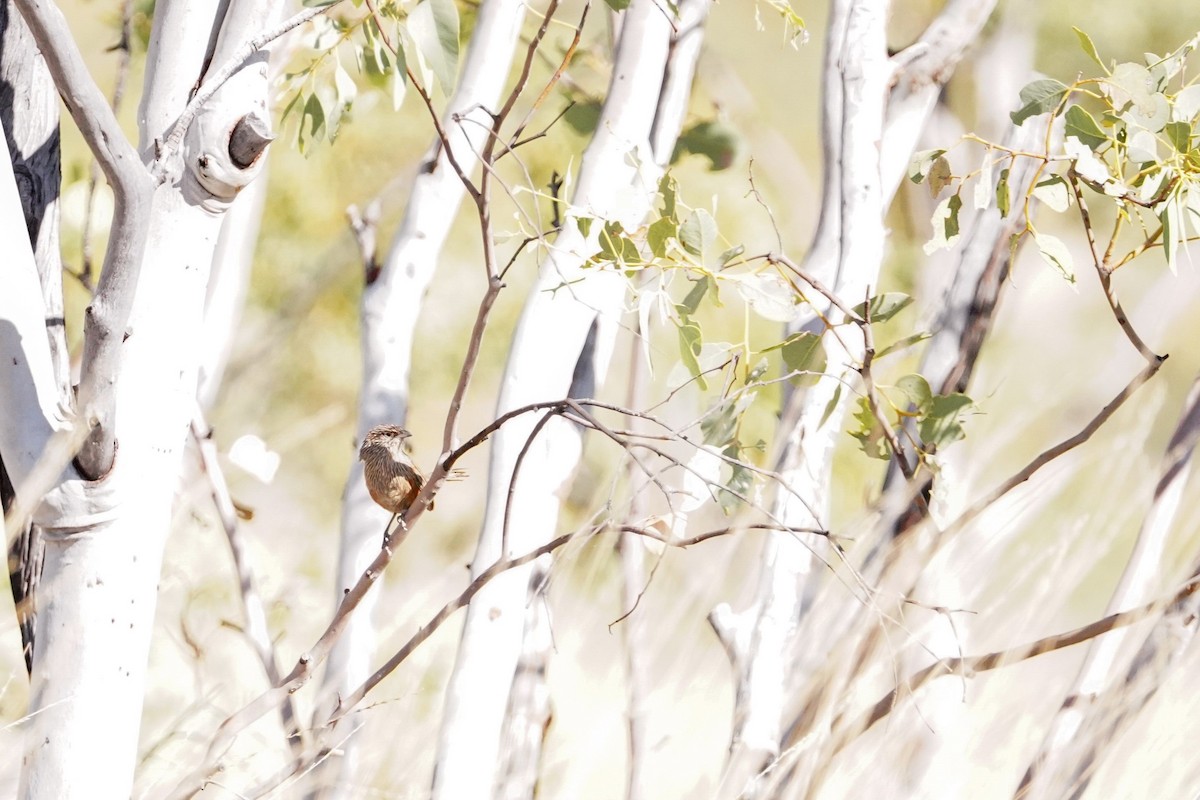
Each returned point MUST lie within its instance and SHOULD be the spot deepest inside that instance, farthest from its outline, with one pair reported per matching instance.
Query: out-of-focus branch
(256, 628)
(1087, 721)
(972, 665)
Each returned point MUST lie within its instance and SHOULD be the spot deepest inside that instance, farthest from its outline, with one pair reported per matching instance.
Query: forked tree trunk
(104, 537)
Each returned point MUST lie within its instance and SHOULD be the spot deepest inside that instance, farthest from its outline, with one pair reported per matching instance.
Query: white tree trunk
(545, 350)
(391, 306)
(846, 255)
(104, 538)
(227, 287)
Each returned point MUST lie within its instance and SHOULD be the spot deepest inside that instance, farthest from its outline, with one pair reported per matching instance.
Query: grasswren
(392, 479)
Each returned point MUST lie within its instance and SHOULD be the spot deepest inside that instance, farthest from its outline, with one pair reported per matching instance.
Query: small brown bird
(392, 479)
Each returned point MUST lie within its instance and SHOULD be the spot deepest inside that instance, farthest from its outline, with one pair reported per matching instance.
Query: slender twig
(1026, 472)
(257, 630)
(1105, 275)
(554, 79)
(972, 665)
(872, 395)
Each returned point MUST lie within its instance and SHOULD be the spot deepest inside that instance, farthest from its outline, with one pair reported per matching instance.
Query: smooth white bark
(562, 307)
(391, 306)
(847, 254)
(104, 539)
(227, 287)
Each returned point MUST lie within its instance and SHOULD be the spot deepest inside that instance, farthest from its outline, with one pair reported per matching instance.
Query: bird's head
(389, 436)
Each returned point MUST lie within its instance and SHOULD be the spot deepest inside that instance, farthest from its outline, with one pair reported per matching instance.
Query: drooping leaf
(668, 190)
(939, 176)
(741, 480)
(1054, 192)
(698, 234)
(945, 225)
(942, 424)
(719, 426)
(399, 76)
(618, 5)
(1056, 254)
(832, 405)
(1081, 125)
(1039, 97)
(954, 205)
(984, 192)
(314, 119)
(433, 25)
(1002, 195)
(1173, 231)
(692, 301)
(883, 306)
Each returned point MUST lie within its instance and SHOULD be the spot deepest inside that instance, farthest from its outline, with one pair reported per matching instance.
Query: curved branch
(106, 318)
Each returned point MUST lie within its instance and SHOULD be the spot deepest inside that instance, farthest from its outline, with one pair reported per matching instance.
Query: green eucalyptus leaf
(668, 190)
(1056, 254)
(1180, 135)
(916, 389)
(730, 255)
(883, 306)
(1039, 97)
(1002, 194)
(659, 235)
(698, 234)
(719, 427)
(869, 432)
(692, 301)
(802, 353)
(901, 344)
(942, 424)
(1083, 126)
(741, 481)
(1085, 42)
